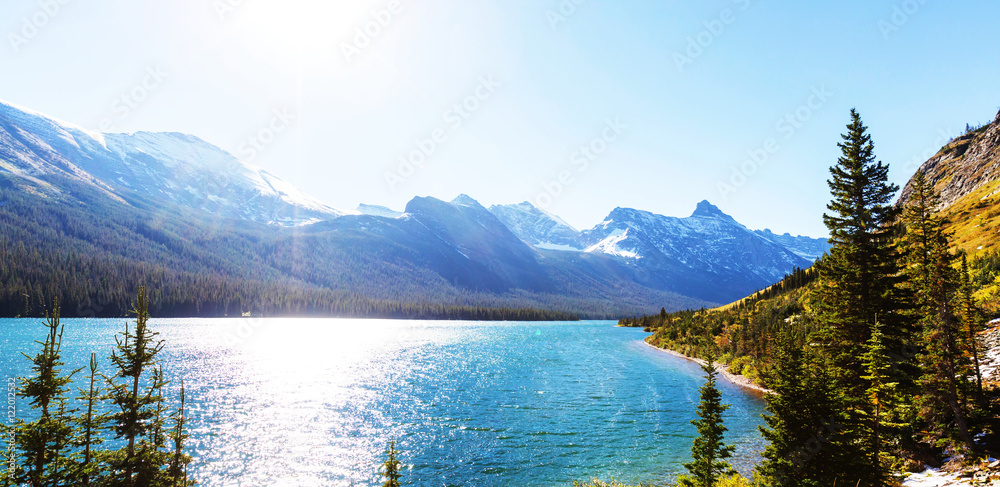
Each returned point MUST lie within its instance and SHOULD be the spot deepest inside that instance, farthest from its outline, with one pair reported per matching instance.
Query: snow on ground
(932, 477)
(986, 473)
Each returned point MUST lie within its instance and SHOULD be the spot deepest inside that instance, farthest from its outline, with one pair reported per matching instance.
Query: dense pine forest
(92, 264)
(872, 354)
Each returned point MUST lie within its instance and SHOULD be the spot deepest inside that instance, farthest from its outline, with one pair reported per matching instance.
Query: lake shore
(722, 369)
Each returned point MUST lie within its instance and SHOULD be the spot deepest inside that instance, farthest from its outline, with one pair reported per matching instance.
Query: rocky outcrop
(990, 365)
(963, 165)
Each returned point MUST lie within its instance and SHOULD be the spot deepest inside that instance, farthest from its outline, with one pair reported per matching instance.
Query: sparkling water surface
(314, 402)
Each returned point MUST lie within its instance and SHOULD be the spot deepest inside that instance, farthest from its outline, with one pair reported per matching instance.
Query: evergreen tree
(44, 442)
(804, 424)
(177, 471)
(973, 323)
(883, 409)
(709, 451)
(858, 277)
(90, 427)
(61, 446)
(936, 284)
(137, 405)
(151, 451)
(390, 468)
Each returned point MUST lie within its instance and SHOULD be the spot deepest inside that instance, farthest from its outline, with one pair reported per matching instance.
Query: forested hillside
(886, 326)
(88, 216)
(91, 256)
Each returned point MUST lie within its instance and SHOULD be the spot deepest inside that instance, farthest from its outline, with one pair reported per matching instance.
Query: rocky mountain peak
(465, 200)
(708, 210)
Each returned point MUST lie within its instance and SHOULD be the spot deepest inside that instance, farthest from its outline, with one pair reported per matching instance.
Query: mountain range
(118, 209)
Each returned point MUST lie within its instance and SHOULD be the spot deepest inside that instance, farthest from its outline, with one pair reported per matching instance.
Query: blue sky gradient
(575, 105)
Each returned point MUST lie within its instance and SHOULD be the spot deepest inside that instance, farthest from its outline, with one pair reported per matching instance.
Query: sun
(306, 31)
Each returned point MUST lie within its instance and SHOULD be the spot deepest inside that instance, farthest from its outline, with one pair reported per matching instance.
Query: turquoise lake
(314, 402)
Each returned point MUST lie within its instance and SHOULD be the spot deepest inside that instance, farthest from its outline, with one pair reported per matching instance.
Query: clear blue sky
(918, 71)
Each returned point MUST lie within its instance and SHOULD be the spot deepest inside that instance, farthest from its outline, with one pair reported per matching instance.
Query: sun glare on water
(322, 379)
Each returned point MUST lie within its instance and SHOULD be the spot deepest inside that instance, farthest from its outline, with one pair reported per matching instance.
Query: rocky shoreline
(723, 371)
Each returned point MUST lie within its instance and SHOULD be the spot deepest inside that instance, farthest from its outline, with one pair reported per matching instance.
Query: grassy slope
(975, 220)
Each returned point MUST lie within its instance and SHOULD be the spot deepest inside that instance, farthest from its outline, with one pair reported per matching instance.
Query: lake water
(314, 402)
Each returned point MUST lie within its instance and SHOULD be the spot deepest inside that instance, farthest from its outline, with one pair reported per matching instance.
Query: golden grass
(974, 220)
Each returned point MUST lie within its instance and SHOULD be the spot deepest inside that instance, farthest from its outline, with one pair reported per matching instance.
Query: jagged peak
(706, 209)
(621, 213)
(465, 200)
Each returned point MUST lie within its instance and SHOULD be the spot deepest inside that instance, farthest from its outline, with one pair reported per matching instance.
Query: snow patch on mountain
(612, 245)
(164, 167)
(376, 210)
(538, 227)
(38, 119)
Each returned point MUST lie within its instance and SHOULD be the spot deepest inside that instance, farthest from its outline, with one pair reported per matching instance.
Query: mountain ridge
(198, 204)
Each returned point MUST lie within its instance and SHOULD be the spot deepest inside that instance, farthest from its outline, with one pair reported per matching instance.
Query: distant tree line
(92, 258)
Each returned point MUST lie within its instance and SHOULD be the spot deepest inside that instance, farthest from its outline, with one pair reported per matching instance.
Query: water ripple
(311, 402)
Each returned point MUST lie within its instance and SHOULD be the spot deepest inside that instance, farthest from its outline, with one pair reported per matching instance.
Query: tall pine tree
(858, 279)
(858, 286)
(136, 397)
(709, 451)
(90, 429)
(936, 284)
(973, 323)
(45, 442)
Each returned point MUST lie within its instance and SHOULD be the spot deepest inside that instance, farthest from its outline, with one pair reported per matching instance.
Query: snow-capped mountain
(537, 227)
(160, 168)
(709, 251)
(806, 247)
(167, 190)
